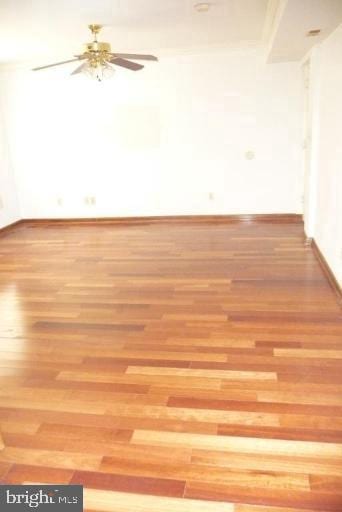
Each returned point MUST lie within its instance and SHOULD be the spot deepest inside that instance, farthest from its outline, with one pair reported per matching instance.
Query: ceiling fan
(98, 59)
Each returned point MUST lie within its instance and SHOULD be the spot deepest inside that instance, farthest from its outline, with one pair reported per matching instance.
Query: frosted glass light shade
(99, 72)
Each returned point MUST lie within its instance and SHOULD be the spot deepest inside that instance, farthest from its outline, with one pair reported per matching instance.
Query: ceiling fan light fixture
(97, 59)
(99, 71)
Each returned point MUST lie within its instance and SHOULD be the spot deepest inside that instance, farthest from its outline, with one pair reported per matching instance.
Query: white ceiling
(41, 30)
(33, 29)
(297, 17)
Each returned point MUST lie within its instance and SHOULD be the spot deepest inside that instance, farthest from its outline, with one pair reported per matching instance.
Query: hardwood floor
(171, 367)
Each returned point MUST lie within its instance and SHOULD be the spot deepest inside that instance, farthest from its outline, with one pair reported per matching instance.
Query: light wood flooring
(171, 366)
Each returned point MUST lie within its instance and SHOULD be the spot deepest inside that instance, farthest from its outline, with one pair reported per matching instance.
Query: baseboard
(268, 218)
(334, 284)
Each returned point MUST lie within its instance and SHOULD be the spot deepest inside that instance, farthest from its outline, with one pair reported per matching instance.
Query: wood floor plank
(50, 458)
(236, 444)
(282, 463)
(128, 483)
(201, 415)
(254, 496)
(261, 508)
(204, 473)
(214, 374)
(4, 469)
(105, 501)
(20, 473)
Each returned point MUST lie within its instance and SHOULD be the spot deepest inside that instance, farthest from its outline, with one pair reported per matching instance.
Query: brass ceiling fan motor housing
(97, 46)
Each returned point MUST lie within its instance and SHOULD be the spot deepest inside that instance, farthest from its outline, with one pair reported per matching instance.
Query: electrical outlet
(90, 200)
(211, 196)
(59, 201)
(1, 203)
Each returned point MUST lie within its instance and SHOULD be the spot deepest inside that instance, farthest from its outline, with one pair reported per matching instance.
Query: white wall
(9, 207)
(160, 141)
(323, 212)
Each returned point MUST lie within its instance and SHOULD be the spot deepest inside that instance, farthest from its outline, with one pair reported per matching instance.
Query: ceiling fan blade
(126, 64)
(79, 69)
(56, 64)
(135, 56)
